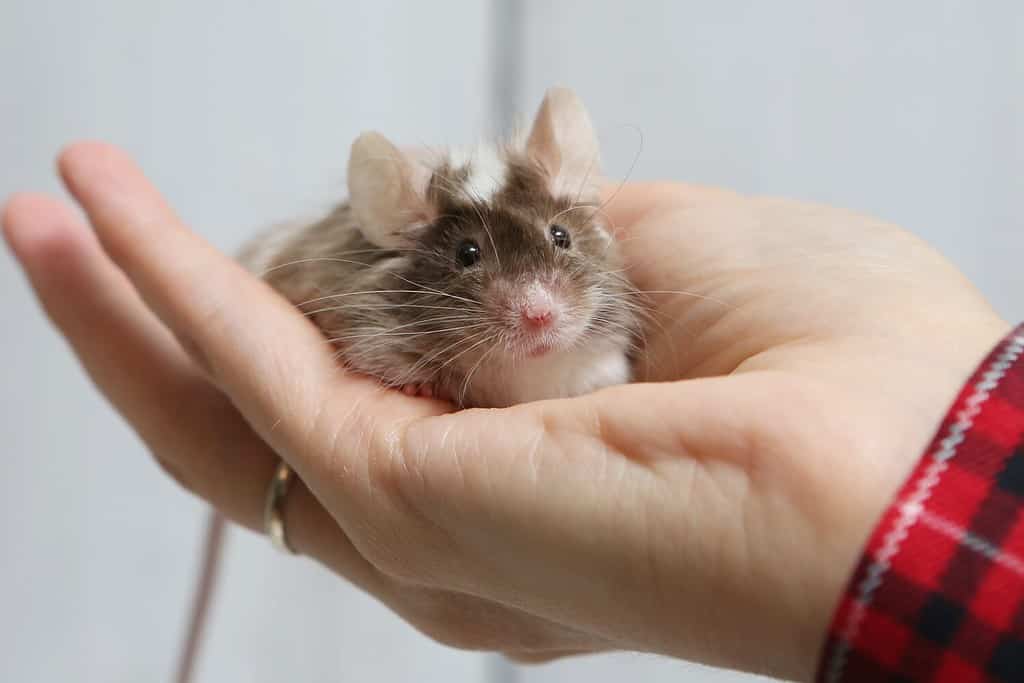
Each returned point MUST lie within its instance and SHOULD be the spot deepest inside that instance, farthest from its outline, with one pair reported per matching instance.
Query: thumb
(626, 203)
(574, 489)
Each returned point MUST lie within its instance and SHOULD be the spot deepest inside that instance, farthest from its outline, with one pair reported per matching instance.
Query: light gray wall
(243, 113)
(909, 110)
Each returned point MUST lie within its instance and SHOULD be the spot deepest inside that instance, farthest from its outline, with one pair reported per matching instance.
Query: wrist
(876, 419)
(885, 618)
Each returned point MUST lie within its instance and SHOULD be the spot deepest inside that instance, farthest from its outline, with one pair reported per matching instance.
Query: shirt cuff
(938, 594)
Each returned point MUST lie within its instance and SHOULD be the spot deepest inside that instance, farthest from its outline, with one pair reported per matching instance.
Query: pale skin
(712, 513)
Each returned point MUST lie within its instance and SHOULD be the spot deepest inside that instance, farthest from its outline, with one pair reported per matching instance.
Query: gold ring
(273, 516)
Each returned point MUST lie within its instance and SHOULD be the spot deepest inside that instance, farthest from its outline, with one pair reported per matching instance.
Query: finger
(528, 657)
(189, 425)
(627, 203)
(127, 352)
(615, 450)
(273, 364)
(202, 438)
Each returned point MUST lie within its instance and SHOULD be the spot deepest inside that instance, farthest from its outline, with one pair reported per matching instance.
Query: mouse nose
(538, 308)
(538, 318)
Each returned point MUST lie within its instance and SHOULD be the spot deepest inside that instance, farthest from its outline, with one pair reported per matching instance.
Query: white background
(242, 113)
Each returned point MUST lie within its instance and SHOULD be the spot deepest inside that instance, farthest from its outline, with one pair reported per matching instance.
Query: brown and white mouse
(485, 276)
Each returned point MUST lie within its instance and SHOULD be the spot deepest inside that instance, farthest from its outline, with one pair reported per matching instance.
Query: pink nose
(537, 308)
(538, 317)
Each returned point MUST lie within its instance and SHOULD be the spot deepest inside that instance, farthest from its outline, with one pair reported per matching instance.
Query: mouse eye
(560, 236)
(467, 253)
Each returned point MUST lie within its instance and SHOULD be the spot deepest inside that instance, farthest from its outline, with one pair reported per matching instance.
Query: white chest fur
(557, 375)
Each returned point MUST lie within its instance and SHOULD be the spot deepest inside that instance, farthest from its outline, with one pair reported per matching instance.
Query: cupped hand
(798, 358)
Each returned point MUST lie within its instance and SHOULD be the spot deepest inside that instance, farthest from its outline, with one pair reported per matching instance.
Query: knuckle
(211, 322)
(409, 537)
(393, 469)
(450, 621)
(195, 352)
(467, 622)
(419, 549)
(393, 559)
(423, 467)
(207, 319)
(529, 658)
(461, 637)
(404, 554)
(176, 474)
(398, 539)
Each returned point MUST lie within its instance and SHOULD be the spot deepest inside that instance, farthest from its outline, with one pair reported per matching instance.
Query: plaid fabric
(938, 595)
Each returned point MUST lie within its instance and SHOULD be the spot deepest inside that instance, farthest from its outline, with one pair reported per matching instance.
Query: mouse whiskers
(425, 288)
(383, 306)
(472, 371)
(421, 291)
(392, 333)
(423, 363)
(629, 171)
(337, 257)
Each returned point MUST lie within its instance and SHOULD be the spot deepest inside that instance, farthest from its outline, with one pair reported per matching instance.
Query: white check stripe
(912, 510)
(978, 544)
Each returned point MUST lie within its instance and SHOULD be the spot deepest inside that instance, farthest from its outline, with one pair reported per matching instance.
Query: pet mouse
(485, 277)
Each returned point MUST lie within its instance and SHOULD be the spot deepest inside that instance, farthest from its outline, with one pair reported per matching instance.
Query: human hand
(714, 519)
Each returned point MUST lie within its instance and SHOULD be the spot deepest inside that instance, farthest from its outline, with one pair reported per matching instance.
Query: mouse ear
(562, 140)
(387, 191)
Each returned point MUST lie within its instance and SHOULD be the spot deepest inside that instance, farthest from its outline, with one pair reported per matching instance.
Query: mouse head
(509, 238)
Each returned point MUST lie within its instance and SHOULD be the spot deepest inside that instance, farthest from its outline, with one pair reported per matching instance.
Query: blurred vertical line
(507, 19)
(507, 22)
(500, 670)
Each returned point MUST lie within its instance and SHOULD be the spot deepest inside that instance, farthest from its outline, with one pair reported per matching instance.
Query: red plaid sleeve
(938, 595)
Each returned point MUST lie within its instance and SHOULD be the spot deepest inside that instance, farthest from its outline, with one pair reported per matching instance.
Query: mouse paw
(425, 390)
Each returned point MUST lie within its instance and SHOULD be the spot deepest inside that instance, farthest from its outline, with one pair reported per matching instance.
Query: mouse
(484, 276)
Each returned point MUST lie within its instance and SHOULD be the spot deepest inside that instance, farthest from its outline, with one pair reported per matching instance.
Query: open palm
(796, 364)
